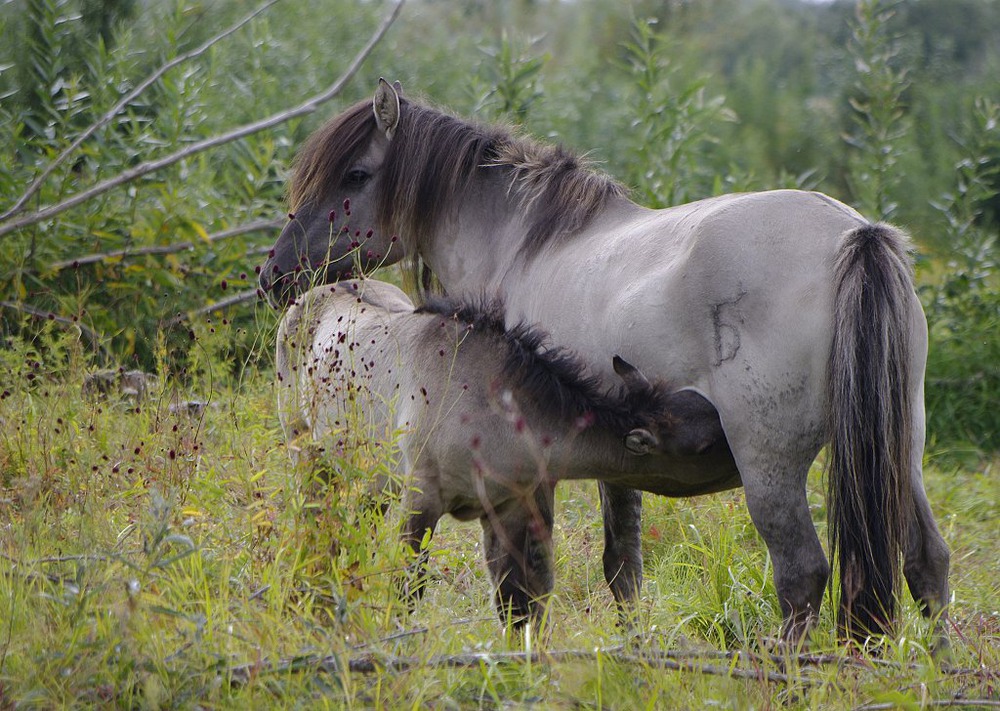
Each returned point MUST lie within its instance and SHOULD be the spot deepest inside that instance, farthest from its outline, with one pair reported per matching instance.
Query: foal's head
(681, 423)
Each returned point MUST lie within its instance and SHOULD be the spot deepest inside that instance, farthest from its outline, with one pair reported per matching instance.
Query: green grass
(154, 559)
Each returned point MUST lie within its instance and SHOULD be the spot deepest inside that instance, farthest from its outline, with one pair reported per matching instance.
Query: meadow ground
(158, 556)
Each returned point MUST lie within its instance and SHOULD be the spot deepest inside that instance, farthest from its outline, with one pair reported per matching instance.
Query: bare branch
(256, 226)
(233, 300)
(147, 167)
(736, 664)
(113, 111)
(374, 663)
(91, 334)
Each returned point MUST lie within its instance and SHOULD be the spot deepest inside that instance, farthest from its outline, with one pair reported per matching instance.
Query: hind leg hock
(780, 513)
(927, 559)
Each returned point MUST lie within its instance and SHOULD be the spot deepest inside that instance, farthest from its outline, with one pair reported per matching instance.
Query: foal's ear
(641, 441)
(386, 108)
(634, 379)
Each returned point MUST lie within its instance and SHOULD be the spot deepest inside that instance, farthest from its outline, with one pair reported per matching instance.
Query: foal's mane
(430, 162)
(553, 379)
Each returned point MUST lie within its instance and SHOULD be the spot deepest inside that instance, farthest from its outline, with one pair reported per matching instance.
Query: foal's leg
(621, 508)
(517, 542)
(423, 513)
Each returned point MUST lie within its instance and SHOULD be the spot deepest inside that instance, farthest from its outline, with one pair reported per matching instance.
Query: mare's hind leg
(517, 543)
(926, 562)
(776, 497)
(926, 559)
(621, 508)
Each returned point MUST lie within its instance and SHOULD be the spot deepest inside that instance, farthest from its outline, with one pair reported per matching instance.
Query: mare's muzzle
(282, 288)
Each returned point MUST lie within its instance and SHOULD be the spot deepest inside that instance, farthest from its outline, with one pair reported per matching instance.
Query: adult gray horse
(793, 315)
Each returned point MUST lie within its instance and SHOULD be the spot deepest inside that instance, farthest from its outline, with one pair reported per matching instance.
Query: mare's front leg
(517, 543)
(423, 511)
(621, 508)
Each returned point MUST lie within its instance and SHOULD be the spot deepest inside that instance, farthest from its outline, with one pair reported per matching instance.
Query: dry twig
(233, 300)
(938, 703)
(157, 249)
(750, 664)
(95, 340)
(373, 663)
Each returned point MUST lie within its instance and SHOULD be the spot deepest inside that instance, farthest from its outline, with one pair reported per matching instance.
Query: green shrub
(963, 303)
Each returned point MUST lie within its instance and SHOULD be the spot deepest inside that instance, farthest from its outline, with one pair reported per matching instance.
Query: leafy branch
(37, 184)
(672, 112)
(878, 110)
(147, 167)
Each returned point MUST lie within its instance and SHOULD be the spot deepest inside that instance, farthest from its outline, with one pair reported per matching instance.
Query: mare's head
(378, 182)
(367, 186)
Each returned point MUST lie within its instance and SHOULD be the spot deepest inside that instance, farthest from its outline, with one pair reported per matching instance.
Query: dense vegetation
(156, 558)
(894, 112)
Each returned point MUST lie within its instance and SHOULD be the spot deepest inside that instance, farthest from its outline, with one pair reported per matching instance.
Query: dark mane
(557, 188)
(430, 162)
(553, 379)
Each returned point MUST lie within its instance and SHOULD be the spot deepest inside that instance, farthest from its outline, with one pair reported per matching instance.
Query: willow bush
(678, 100)
(133, 263)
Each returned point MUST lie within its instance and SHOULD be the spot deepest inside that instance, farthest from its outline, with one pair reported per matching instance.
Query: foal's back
(358, 356)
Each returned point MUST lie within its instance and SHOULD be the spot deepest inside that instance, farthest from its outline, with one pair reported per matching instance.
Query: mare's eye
(356, 178)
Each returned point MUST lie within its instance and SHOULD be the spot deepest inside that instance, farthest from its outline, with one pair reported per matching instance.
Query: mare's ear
(634, 379)
(398, 87)
(641, 441)
(386, 108)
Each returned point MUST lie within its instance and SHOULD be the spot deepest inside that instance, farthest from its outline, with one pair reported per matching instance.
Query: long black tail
(871, 425)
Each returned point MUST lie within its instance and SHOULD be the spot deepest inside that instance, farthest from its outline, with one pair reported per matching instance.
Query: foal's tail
(871, 421)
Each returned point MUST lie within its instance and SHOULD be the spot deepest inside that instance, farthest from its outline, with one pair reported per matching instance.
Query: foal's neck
(591, 453)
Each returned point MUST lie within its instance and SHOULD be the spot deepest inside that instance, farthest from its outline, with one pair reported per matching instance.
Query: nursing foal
(486, 418)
